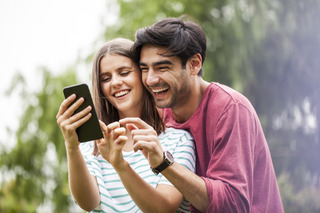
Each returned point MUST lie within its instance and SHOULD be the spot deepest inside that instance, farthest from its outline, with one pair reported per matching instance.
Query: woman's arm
(83, 186)
(164, 198)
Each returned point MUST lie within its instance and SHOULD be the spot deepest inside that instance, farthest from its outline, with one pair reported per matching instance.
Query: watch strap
(166, 162)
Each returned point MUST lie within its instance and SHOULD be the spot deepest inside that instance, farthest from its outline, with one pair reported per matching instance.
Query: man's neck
(183, 112)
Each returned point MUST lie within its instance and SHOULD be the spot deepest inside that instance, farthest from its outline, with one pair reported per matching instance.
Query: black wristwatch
(167, 161)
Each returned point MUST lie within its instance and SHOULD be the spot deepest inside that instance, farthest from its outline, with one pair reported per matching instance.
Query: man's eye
(163, 68)
(144, 69)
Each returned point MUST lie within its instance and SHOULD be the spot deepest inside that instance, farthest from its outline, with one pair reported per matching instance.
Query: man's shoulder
(225, 95)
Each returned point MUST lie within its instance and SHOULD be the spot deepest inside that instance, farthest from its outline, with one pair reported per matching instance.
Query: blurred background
(267, 50)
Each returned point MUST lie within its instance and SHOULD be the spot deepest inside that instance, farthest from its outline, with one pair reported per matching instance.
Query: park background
(267, 50)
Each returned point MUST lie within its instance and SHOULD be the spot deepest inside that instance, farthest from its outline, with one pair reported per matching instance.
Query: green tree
(36, 178)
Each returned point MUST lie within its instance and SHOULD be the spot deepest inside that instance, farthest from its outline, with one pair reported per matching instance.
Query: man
(234, 171)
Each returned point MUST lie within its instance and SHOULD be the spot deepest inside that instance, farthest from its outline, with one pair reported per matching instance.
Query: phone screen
(91, 129)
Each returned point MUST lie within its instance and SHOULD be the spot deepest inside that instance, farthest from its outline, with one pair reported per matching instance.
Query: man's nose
(152, 78)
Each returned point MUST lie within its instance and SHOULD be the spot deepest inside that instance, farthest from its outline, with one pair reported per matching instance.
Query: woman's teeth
(122, 93)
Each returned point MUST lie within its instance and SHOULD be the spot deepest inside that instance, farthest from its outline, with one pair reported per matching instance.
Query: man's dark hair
(182, 38)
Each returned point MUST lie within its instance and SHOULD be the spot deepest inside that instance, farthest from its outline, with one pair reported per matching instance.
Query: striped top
(113, 195)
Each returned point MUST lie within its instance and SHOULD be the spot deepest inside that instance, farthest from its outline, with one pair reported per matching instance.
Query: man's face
(164, 77)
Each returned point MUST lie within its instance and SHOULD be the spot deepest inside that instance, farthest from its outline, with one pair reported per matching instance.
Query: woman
(111, 174)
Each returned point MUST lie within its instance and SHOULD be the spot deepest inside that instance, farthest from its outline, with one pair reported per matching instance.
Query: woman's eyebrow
(125, 67)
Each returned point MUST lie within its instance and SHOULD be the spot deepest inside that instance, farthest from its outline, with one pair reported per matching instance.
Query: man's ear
(196, 63)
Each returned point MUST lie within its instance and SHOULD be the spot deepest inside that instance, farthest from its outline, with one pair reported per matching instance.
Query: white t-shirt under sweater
(113, 195)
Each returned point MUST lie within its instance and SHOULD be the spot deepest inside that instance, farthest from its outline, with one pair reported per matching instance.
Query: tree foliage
(37, 163)
(267, 50)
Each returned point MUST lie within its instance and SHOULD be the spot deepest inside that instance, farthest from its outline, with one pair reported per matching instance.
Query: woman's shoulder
(173, 137)
(174, 132)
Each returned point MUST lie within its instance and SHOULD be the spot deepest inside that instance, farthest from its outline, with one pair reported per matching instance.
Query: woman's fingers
(64, 105)
(119, 131)
(113, 125)
(80, 115)
(80, 119)
(66, 108)
(75, 120)
(103, 127)
(121, 140)
(113, 131)
(108, 129)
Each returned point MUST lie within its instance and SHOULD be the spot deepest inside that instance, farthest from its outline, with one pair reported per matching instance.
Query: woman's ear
(196, 63)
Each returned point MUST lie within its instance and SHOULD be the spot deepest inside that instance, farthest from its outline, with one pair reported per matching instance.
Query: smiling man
(234, 170)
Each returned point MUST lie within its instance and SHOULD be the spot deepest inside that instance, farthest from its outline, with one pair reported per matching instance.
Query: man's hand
(145, 138)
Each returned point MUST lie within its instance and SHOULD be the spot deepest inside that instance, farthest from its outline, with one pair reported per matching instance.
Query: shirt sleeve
(229, 174)
(86, 150)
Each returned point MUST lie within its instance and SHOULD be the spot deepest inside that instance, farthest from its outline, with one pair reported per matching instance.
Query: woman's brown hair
(106, 112)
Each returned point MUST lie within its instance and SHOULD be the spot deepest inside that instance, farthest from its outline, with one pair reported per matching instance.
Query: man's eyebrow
(164, 62)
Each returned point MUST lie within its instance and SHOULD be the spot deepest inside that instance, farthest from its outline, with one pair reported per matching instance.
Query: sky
(50, 33)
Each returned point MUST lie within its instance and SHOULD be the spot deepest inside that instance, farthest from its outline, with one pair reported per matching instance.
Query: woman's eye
(125, 73)
(105, 79)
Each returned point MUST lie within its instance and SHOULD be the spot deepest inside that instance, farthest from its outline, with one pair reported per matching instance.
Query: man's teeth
(122, 93)
(159, 90)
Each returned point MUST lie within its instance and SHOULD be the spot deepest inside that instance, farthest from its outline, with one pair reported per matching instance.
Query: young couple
(147, 158)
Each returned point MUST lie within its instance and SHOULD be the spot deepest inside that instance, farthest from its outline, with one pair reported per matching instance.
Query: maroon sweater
(233, 157)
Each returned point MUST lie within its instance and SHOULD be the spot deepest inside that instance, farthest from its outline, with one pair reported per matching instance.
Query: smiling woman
(117, 71)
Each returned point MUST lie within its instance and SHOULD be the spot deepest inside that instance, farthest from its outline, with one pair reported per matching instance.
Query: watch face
(168, 160)
(168, 157)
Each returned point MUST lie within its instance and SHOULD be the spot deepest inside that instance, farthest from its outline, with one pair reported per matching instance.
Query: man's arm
(189, 184)
(192, 187)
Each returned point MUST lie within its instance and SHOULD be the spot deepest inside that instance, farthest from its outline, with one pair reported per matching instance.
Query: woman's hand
(111, 145)
(145, 138)
(69, 122)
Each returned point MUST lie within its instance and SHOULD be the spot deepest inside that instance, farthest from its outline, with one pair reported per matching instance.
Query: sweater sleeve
(229, 174)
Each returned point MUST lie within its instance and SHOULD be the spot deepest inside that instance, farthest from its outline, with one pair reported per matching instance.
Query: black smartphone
(91, 129)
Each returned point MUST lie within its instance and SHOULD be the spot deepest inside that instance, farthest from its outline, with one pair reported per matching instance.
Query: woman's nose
(116, 81)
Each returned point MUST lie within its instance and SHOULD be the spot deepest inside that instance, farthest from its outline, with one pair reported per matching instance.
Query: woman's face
(120, 81)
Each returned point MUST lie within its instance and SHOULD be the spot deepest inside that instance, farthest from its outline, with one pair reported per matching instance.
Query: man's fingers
(150, 132)
(136, 121)
(146, 138)
(151, 151)
(143, 145)
(131, 127)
